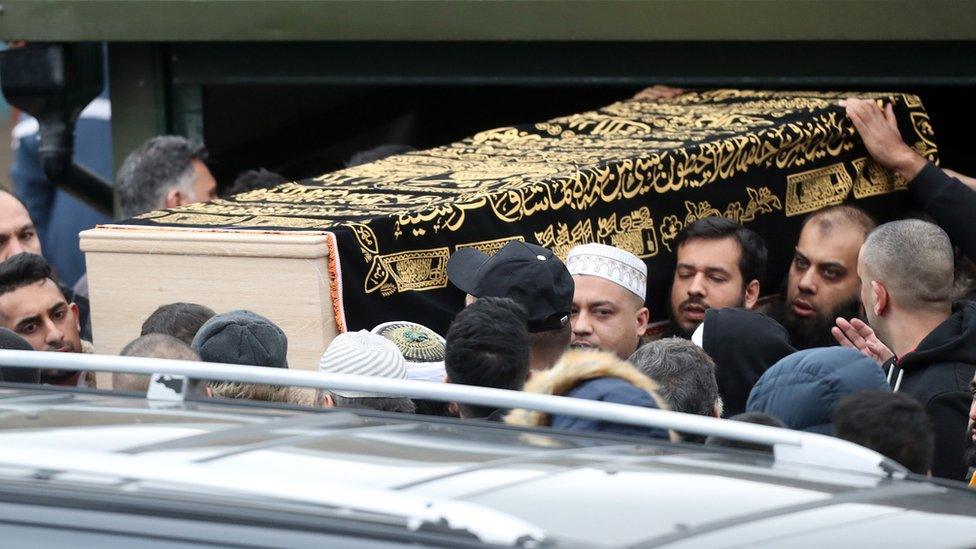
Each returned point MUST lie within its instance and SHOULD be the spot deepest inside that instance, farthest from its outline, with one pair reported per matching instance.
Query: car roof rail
(788, 446)
(420, 512)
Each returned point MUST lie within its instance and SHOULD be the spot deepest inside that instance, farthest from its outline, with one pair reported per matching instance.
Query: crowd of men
(871, 337)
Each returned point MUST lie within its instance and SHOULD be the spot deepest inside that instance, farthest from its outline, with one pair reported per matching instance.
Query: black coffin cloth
(630, 175)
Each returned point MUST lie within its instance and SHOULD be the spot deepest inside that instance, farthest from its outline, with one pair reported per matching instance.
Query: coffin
(369, 244)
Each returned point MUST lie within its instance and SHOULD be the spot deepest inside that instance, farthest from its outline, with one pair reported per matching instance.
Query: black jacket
(938, 374)
(950, 202)
(743, 344)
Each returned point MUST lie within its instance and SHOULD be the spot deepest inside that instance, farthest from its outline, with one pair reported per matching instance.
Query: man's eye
(27, 235)
(603, 312)
(28, 329)
(801, 263)
(831, 275)
(717, 278)
(58, 315)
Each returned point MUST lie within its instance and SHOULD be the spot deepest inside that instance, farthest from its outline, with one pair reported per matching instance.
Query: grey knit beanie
(242, 337)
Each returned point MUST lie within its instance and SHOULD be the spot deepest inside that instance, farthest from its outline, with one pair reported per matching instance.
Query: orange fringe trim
(335, 283)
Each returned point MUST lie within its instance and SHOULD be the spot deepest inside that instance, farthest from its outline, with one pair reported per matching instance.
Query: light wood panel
(283, 277)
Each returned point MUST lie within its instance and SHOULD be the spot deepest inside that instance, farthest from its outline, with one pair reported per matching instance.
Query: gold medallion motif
(815, 189)
(872, 179)
(415, 270)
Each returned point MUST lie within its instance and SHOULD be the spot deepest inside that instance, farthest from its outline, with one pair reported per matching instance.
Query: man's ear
(74, 312)
(174, 197)
(643, 317)
(752, 294)
(881, 297)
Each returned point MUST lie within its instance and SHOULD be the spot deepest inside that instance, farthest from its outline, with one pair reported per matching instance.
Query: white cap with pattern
(365, 354)
(616, 265)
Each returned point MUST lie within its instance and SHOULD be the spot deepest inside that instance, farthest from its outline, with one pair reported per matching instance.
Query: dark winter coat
(803, 389)
(743, 344)
(592, 376)
(950, 202)
(938, 374)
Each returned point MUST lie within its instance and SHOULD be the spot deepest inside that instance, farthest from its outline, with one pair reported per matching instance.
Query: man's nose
(54, 336)
(581, 323)
(697, 287)
(808, 283)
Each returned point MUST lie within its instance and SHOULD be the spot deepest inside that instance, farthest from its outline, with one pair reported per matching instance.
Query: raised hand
(656, 92)
(879, 131)
(855, 334)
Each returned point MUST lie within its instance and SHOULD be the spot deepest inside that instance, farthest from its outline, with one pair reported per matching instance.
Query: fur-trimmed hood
(572, 376)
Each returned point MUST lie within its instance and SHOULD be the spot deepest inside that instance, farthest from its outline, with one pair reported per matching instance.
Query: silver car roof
(501, 482)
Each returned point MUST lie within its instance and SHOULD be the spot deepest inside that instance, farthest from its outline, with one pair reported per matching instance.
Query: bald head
(841, 217)
(150, 346)
(914, 261)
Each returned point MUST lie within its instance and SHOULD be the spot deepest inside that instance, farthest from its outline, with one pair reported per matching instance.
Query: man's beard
(677, 330)
(813, 331)
(970, 455)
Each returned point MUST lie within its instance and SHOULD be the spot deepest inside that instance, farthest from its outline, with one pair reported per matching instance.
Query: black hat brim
(463, 269)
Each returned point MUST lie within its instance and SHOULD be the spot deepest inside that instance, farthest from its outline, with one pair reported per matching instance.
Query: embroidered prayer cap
(616, 265)
(365, 354)
(421, 347)
(530, 275)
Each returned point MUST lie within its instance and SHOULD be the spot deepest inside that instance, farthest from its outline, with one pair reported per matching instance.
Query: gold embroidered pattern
(190, 218)
(490, 247)
(560, 239)
(761, 201)
(812, 190)
(872, 179)
(609, 175)
(367, 240)
(408, 271)
(633, 232)
(625, 150)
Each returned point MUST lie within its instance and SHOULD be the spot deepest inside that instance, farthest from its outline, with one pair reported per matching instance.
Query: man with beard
(719, 264)
(32, 306)
(822, 283)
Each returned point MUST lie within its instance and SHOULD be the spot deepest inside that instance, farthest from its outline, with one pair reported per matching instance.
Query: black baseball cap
(530, 275)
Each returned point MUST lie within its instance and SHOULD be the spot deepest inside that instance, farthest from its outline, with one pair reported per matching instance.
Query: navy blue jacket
(803, 389)
(609, 389)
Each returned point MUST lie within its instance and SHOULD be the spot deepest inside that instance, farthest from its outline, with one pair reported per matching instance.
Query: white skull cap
(618, 266)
